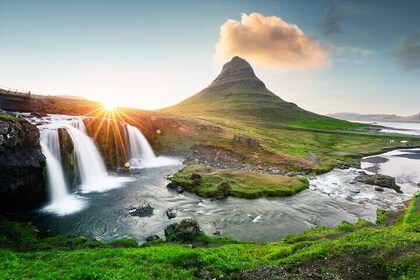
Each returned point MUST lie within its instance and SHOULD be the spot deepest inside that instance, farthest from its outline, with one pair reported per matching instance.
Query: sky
(326, 56)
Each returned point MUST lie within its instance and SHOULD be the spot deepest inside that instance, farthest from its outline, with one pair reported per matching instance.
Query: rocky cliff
(22, 165)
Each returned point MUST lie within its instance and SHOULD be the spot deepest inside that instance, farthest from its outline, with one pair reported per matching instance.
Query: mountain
(376, 117)
(237, 92)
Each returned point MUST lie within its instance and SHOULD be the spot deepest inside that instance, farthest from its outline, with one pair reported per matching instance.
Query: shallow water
(261, 220)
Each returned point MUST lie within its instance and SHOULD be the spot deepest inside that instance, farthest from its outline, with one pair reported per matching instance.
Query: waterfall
(79, 124)
(89, 163)
(62, 203)
(141, 153)
(51, 149)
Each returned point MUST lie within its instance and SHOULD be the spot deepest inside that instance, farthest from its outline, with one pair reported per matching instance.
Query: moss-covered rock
(186, 230)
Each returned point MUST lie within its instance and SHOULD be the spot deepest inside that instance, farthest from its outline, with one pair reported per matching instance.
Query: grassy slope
(284, 146)
(243, 184)
(360, 251)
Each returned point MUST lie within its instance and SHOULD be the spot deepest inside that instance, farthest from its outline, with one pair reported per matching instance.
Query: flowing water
(331, 198)
(141, 153)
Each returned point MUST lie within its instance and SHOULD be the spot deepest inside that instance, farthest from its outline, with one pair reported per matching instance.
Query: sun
(109, 106)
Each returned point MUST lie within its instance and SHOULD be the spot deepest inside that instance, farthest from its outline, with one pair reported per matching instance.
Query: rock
(179, 189)
(379, 189)
(174, 186)
(195, 176)
(171, 213)
(38, 114)
(197, 182)
(186, 230)
(223, 190)
(143, 211)
(355, 190)
(418, 184)
(22, 165)
(382, 181)
(248, 141)
(152, 238)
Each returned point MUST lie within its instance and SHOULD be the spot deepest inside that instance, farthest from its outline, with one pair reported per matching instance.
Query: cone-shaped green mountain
(237, 92)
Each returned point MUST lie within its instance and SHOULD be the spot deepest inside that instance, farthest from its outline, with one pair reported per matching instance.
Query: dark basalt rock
(22, 165)
(382, 181)
(152, 238)
(186, 230)
(174, 186)
(38, 114)
(171, 213)
(143, 211)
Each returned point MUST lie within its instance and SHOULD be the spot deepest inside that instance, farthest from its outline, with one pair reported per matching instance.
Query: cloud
(269, 42)
(408, 53)
(330, 23)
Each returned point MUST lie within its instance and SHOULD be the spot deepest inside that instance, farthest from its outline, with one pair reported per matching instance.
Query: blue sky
(152, 54)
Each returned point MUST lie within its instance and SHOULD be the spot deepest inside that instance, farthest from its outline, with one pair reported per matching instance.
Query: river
(331, 198)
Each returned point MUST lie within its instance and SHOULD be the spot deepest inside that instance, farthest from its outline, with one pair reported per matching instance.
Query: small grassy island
(210, 182)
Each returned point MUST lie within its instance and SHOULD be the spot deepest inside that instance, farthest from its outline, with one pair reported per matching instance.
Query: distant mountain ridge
(238, 92)
(376, 117)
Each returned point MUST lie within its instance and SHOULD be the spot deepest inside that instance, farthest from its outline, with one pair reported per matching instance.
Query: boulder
(197, 182)
(247, 141)
(223, 190)
(22, 165)
(186, 230)
(195, 176)
(152, 238)
(143, 211)
(379, 180)
(171, 213)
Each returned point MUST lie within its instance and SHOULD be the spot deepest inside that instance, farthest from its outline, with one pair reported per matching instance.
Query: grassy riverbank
(359, 251)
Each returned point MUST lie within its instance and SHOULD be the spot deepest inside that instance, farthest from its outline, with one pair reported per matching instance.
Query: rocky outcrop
(381, 181)
(248, 141)
(22, 165)
(186, 230)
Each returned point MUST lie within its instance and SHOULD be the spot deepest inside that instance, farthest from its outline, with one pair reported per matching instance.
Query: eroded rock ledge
(22, 165)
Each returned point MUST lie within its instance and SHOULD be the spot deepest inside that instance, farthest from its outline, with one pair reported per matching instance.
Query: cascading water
(89, 163)
(141, 154)
(62, 203)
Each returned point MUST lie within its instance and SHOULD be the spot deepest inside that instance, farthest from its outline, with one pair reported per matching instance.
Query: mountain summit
(237, 92)
(238, 70)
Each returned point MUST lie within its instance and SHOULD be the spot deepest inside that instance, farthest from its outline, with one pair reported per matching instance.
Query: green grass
(329, 124)
(359, 251)
(282, 146)
(243, 184)
(7, 117)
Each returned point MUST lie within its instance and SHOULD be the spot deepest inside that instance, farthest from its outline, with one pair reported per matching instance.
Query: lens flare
(109, 106)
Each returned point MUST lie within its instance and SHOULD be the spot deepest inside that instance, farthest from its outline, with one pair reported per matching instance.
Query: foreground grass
(242, 184)
(359, 251)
